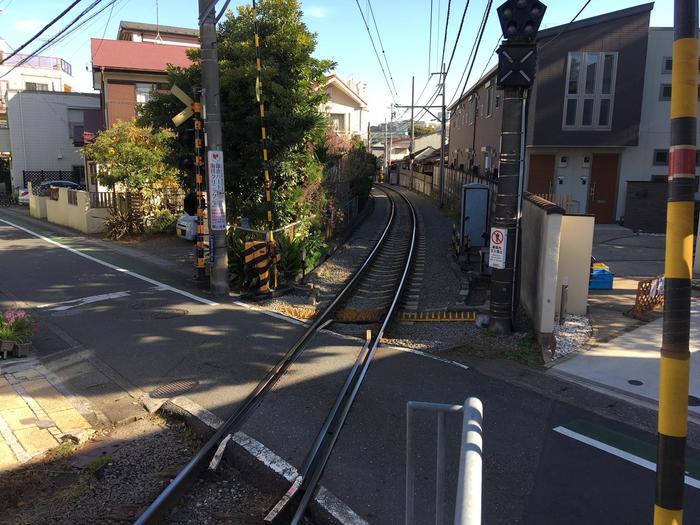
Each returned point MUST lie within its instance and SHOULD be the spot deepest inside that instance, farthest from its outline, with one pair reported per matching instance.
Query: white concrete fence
(556, 249)
(69, 208)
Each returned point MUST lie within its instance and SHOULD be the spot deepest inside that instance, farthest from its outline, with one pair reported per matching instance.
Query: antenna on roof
(158, 37)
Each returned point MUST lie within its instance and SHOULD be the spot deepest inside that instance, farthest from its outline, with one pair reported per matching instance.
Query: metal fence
(36, 177)
(469, 485)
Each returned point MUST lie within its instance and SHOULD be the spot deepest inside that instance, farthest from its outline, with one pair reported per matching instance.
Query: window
(659, 178)
(667, 65)
(498, 101)
(489, 100)
(660, 157)
(665, 92)
(590, 90)
(338, 122)
(76, 117)
(35, 86)
(144, 92)
(79, 174)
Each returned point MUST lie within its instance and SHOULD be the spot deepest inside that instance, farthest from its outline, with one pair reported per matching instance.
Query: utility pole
(218, 243)
(413, 128)
(675, 354)
(442, 137)
(519, 20)
(369, 139)
(386, 149)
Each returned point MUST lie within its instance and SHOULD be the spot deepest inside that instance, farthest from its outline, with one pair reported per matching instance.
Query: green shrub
(16, 325)
(290, 263)
(162, 221)
(316, 247)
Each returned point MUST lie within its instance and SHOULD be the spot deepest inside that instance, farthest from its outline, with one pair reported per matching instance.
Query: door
(540, 179)
(602, 192)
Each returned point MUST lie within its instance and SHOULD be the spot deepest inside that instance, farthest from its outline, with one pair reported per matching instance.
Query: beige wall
(37, 205)
(575, 261)
(77, 216)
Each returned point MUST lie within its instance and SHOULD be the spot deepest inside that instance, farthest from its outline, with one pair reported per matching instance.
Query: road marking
(650, 465)
(75, 303)
(162, 286)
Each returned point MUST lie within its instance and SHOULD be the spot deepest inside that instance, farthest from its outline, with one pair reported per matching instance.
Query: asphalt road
(154, 335)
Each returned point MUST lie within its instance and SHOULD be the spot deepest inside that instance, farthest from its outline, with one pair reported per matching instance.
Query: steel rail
(170, 494)
(302, 490)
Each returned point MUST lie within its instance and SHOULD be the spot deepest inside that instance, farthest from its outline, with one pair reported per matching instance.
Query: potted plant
(16, 330)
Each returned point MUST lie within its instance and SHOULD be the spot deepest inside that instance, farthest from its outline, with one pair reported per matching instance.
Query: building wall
(339, 103)
(40, 132)
(628, 37)
(655, 122)
(119, 92)
(463, 139)
(432, 140)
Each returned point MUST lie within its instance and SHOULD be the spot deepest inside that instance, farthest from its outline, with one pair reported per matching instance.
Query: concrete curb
(260, 465)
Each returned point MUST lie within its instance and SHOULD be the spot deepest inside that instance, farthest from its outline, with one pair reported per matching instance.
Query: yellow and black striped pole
(265, 139)
(675, 354)
(199, 189)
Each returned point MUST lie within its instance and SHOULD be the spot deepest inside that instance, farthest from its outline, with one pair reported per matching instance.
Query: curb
(260, 465)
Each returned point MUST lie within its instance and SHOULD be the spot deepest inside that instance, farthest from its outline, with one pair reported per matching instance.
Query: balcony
(41, 62)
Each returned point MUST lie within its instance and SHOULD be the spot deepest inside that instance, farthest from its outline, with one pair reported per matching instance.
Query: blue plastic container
(601, 280)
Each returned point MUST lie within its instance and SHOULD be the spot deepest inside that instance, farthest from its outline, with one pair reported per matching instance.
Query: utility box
(187, 227)
(475, 215)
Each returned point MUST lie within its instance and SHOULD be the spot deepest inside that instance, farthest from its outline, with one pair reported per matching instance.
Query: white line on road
(75, 303)
(162, 286)
(650, 465)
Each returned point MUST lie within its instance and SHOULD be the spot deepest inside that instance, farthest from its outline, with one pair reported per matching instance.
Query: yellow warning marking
(438, 317)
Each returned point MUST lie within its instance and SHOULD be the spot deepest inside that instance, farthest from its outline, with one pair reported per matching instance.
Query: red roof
(136, 56)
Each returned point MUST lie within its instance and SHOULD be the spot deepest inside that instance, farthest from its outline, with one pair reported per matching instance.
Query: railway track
(389, 261)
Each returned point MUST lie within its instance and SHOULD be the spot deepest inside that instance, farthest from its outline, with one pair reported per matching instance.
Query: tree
(421, 130)
(135, 157)
(291, 81)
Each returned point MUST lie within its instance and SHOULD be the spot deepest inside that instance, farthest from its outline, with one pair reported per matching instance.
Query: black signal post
(517, 59)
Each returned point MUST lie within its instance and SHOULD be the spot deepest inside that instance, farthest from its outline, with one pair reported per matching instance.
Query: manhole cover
(635, 382)
(168, 313)
(174, 389)
(693, 401)
(143, 304)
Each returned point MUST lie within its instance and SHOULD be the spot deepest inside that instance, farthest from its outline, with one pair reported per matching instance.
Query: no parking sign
(497, 251)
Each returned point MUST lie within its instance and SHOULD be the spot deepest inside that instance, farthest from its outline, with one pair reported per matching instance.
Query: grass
(529, 352)
(96, 464)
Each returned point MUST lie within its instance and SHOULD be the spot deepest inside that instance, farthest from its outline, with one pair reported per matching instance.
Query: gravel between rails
(116, 487)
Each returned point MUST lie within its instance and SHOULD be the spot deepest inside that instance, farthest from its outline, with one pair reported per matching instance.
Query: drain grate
(173, 389)
(635, 382)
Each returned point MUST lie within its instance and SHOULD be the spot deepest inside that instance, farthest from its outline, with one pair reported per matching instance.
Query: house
(45, 129)
(127, 70)
(345, 106)
(39, 79)
(599, 113)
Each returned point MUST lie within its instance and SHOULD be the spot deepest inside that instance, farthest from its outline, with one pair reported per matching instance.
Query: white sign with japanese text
(497, 251)
(217, 193)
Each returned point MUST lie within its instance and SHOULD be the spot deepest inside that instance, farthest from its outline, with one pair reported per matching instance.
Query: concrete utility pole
(413, 128)
(519, 21)
(386, 150)
(442, 136)
(218, 242)
(675, 354)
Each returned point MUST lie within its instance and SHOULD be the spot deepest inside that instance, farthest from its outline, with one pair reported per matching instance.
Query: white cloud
(316, 12)
(28, 25)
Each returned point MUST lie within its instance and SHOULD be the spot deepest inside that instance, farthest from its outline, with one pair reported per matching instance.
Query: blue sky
(403, 24)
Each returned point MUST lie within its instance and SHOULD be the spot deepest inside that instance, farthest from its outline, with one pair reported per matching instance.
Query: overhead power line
(381, 66)
(567, 25)
(459, 33)
(472, 55)
(381, 46)
(430, 40)
(444, 40)
(42, 30)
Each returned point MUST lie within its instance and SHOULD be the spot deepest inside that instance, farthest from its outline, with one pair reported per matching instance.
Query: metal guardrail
(468, 501)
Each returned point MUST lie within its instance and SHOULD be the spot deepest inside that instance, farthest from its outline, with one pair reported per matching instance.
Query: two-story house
(127, 70)
(345, 106)
(598, 115)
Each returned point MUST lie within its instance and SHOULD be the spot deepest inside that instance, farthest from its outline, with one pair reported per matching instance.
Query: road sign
(217, 195)
(187, 101)
(497, 250)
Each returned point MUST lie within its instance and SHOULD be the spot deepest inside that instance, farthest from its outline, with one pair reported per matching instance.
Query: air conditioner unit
(485, 149)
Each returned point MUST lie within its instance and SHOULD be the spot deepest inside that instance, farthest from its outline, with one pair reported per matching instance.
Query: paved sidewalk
(630, 363)
(35, 416)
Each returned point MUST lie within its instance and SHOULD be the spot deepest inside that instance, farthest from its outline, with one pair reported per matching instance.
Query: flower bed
(16, 331)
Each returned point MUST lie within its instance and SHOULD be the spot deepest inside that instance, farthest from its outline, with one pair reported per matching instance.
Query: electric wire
(459, 33)
(469, 66)
(563, 29)
(381, 46)
(430, 40)
(42, 30)
(376, 53)
(444, 40)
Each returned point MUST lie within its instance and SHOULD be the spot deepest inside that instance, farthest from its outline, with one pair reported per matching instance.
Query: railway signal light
(520, 19)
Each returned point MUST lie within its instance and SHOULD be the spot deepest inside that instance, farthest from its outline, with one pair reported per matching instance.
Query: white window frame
(148, 95)
(490, 95)
(597, 95)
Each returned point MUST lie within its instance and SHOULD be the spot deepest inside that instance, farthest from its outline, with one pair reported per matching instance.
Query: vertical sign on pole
(217, 194)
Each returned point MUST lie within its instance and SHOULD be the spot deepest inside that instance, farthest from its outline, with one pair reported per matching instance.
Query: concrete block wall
(78, 216)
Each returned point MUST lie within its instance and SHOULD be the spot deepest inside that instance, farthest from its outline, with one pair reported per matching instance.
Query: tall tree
(291, 79)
